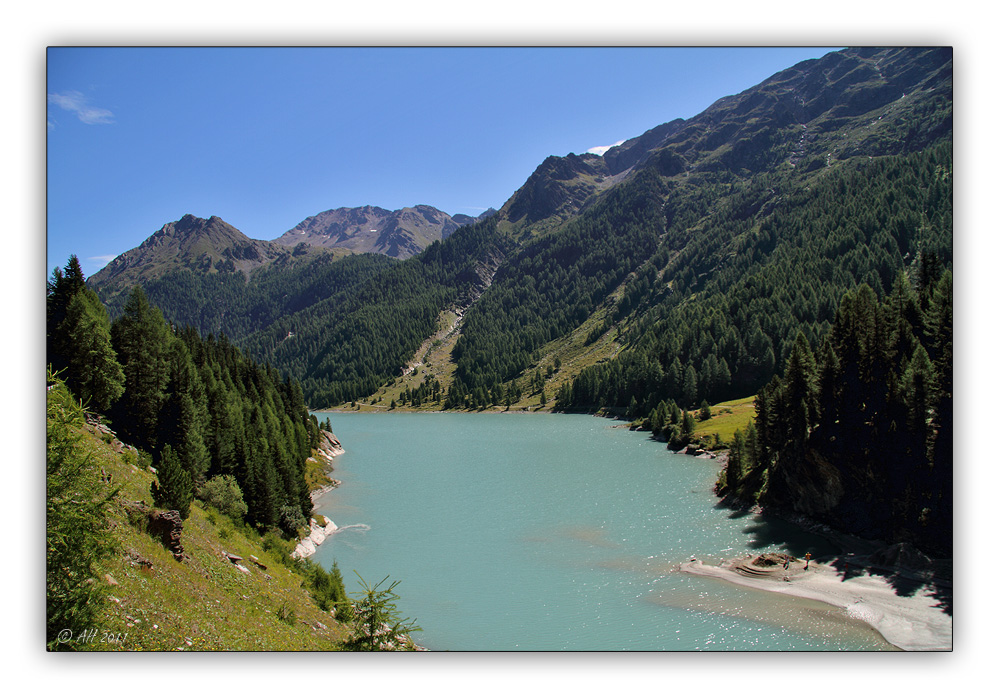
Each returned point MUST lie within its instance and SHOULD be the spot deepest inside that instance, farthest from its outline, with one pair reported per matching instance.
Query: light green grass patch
(726, 419)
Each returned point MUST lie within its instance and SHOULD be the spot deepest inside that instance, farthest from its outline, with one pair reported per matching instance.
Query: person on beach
(808, 556)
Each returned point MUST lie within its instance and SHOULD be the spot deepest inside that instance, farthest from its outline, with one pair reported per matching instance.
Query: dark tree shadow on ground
(904, 582)
(770, 532)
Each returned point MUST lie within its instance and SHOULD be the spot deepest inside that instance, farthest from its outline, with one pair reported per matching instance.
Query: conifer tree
(939, 322)
(657, 418)
(919, 386)
(675, 378)
(673, 413)
(687, 425)
(734, 466)
(183, 420)
(689, 390)
(83, 341)
(141, 339)
(173, 488)
(78, 340)
(61, 288)
(801, 392)
(705, 411)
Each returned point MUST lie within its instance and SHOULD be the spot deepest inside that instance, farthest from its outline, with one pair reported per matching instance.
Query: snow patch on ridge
(601, 150)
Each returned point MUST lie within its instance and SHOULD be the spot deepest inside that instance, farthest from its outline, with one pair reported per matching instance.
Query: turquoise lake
(557, 532)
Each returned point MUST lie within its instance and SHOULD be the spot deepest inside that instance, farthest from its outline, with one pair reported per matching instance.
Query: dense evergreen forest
(695, 253)
(717, 308)
(345, 327)
(792, 243)
(197, 408)
(704, 281)
(550, 287)
(859, 429)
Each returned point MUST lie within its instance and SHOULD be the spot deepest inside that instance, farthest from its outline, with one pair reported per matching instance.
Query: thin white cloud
(73, 101)
(601, 150)
(102, 259)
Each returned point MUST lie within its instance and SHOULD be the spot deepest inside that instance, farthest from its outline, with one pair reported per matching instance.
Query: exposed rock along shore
(317, 535)
(329, 448)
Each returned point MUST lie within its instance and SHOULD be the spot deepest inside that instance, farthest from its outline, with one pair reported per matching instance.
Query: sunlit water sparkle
(557, 532)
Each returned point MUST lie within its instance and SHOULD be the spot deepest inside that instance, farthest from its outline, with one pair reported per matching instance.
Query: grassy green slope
(204, 602)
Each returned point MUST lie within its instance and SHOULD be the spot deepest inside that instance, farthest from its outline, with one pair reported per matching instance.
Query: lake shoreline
(915, 622)
(329, 448)
(866, 595)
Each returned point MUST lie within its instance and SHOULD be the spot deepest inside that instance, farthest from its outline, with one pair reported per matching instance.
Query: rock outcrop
(167, 525)
(329, 446)
(328, 449)
(317, 535)
(902, 555)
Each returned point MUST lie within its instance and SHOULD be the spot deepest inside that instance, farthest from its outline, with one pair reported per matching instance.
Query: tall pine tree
(142, 340)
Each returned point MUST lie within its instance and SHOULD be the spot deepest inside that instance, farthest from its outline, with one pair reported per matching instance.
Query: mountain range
(398, 234)
(790, 246)
(213, 245)
(698, 247)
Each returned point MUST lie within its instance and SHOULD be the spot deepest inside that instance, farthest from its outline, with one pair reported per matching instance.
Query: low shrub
(224, 494)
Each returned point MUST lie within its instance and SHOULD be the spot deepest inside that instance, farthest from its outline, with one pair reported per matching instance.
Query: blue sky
(265, 137)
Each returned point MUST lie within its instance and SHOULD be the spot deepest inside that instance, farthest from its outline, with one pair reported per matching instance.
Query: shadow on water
(733, 513)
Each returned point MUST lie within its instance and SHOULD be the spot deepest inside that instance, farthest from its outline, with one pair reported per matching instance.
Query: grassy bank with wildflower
(231, 589)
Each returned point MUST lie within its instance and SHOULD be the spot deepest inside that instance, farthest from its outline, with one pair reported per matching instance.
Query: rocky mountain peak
(203, 245)
(400, 234)
(819, 108)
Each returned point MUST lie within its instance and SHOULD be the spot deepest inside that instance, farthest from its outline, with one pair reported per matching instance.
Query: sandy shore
(911, 622)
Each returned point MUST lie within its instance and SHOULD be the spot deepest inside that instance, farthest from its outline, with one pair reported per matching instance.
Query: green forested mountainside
(724, 309)
(858, 431)
(692, 254)
(341, 328)
(347, 349)
(554, 284)
(197, 409)
(236, 305)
